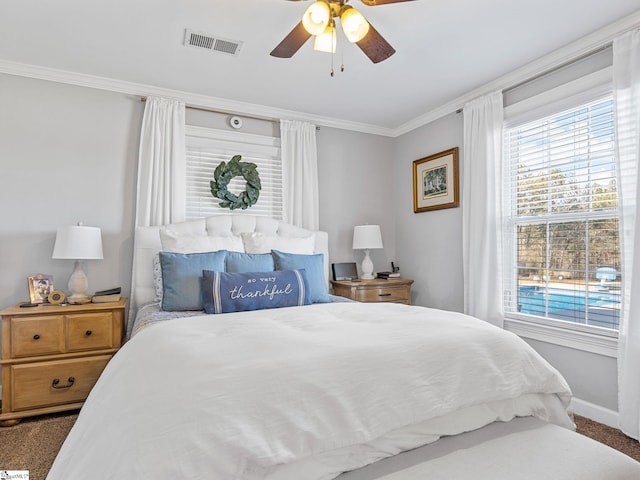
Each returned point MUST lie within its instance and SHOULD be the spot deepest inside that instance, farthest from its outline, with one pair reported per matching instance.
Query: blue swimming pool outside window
(596, 308)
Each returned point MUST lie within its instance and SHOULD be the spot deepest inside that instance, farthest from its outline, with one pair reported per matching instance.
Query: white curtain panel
(482, 208)
(161, 163)
(161, 172)
(301, 205)
(626, 82)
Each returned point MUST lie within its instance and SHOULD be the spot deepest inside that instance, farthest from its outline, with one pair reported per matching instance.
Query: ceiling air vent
(211, 42)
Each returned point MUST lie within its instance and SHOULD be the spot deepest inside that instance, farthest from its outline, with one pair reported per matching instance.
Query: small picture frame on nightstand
(40, 286)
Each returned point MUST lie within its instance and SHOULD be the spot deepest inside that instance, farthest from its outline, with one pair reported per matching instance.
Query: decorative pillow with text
(224, 292)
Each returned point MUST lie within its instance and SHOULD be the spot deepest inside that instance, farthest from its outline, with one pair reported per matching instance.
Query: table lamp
(78, 243)
(366, 237)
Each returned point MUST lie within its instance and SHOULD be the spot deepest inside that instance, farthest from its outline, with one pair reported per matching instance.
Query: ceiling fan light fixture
(316, 17)
(354, 25)
(326, 41)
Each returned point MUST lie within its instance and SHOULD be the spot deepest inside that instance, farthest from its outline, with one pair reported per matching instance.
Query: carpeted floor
(33, 444)
(609, 436)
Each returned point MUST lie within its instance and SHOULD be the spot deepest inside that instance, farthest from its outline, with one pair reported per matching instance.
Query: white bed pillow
(257, 242)
(181, 243)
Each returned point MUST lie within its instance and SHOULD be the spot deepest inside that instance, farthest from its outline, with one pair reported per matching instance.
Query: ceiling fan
(318, 20)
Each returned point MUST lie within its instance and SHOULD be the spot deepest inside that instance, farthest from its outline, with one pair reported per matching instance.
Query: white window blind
(207, 147)
(562, 224)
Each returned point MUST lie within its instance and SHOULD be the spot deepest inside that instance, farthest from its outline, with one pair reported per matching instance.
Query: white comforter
(300, 393)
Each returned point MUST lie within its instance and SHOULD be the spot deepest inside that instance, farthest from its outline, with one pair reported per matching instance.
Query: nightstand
(52, 355)
(396, 290)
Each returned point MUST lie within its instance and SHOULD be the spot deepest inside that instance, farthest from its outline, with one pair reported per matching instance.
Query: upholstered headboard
(147, 244)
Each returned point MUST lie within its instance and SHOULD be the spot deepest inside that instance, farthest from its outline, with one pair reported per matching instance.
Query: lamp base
(78, 300)
(78, 285)
(367, 267)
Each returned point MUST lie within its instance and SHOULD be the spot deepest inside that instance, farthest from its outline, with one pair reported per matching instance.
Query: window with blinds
(206, 148)
(562, 228)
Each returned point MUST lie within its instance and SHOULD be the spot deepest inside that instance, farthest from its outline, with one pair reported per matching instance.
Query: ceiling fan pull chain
(342, 50)
(332, 50)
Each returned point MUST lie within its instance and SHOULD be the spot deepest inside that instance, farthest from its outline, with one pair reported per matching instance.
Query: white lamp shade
(326, 41)
(354, 25)
(78, 242)
(316, 17)
(367, 237)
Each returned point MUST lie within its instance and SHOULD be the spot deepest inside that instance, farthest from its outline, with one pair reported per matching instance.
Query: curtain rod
(552, 70)
(212, 110)
(575, 60)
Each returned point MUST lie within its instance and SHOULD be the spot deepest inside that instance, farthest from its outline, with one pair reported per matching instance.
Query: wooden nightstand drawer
(397, 290)
(382, 294)
(89, 331)
(53, 383)
(37, 336)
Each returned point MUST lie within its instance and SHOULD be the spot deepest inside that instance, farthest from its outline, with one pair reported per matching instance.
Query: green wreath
(223, 175)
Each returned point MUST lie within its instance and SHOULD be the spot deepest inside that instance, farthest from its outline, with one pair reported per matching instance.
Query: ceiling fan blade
(292, 42)
(373, 3)
(375, 46)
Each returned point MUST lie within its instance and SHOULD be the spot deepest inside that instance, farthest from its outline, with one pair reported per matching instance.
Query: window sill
(606, 345)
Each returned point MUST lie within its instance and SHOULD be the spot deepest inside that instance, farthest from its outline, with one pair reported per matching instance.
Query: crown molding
(202, 101)
(566, 54)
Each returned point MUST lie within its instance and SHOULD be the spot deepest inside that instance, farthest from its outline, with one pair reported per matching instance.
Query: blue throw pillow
(224, 292)
(313, 265)
(238, 262)
(182, 277)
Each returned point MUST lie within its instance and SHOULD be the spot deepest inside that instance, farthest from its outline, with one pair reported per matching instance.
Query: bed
(317, 388)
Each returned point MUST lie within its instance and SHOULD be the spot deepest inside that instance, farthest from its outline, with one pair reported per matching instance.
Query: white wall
(429, 244)
(356, 187)
(593, 378)
(220, 121)
(68, 154)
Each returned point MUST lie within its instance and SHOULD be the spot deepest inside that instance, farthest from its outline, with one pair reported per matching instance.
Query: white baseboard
(594, 412)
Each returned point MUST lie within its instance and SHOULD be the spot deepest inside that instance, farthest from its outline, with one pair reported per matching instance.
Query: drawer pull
(88, 333)
(36, 337)
(384, 294)
(56, 381)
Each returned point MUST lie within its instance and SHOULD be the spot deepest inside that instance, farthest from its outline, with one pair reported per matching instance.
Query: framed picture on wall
(435, 181)
(40, 286)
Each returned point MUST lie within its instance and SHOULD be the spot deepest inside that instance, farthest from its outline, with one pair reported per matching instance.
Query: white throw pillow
(256, 242)
(180, 243)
